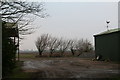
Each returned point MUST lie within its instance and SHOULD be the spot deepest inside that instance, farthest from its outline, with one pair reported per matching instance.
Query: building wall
(108, 46)
(0, 48)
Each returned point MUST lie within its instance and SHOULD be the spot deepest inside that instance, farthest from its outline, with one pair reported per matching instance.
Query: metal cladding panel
(108, 46)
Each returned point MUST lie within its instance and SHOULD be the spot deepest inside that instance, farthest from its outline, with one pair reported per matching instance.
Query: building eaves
(108, 32)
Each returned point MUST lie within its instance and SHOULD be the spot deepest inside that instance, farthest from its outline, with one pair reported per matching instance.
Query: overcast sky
(73, 20)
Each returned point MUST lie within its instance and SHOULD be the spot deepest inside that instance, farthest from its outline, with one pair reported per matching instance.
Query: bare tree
(72, 47)
(52, 45)
(64, 44)
(83, 46)
(87, 45)
(79, 46)
(20, 12)
(42, 43)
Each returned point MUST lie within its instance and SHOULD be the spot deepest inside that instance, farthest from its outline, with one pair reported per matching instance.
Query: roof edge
(108, 32)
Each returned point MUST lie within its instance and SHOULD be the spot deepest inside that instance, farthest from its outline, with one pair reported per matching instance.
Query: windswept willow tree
(20, 12)
(72, 47)
(83, 46)
(64, 45)
(42, 43)
(52, 44)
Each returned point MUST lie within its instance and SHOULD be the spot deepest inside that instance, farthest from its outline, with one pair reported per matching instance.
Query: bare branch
(14, 11)
(64, 44)
(41, 43)
(52, 45)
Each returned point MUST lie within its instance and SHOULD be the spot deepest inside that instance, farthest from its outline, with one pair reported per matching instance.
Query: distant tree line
(54, 44)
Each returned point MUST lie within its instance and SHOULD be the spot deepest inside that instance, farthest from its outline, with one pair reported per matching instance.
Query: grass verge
(18, 73)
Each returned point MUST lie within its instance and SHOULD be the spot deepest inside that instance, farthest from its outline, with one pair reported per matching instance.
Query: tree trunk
(72, 52)
(51, 53)
(40, 53)
(80, 53)
(62, 53)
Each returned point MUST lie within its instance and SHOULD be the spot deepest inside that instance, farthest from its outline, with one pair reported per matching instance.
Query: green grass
(18, 72)
(27, 55)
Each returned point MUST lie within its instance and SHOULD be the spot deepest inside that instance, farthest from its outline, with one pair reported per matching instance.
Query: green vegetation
(8, 53)
(27, 55)
(18, 72)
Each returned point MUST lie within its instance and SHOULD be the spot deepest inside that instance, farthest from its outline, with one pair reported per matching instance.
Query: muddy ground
(70, 67)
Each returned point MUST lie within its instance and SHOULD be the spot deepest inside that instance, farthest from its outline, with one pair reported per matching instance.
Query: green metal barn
(107, 45)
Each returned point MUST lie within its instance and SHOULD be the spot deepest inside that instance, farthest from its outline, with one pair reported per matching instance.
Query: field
(66, 67)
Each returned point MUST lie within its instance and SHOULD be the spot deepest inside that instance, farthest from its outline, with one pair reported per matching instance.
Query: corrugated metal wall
(108, 46)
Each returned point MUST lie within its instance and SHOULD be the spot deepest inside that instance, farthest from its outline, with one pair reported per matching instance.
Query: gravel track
(71, 68)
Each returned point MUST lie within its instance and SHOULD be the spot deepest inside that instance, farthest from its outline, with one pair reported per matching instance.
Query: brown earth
(70, 67)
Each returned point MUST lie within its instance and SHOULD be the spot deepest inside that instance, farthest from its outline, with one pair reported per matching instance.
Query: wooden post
(15, 46)
(18, 46)
(14, 40)
(18, 50)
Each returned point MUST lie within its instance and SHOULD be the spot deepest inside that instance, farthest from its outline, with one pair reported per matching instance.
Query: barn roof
(109, 31)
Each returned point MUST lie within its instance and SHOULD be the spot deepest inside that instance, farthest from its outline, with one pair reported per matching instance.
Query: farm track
(70, 68)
